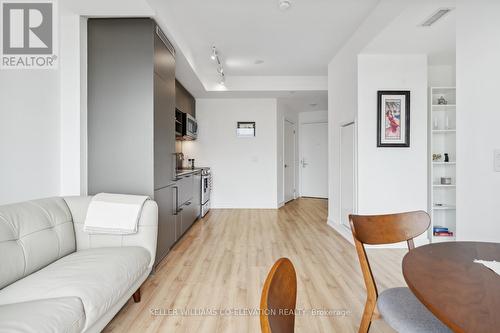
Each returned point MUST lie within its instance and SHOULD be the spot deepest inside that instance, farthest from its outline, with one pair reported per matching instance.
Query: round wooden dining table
(464, 295)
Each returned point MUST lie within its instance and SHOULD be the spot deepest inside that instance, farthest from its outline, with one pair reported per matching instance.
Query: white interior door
(314, 160)
(347, 180)
(289, 161)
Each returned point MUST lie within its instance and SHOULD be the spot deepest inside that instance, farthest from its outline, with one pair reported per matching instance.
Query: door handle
(286, 165)
(303, 162)
(176, 210)
(174, 167)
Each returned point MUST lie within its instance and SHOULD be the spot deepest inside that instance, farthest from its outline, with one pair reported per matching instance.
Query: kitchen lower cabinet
(165, 198)
(188, 201)
(185, 185)
(189, 216)
(178, 209)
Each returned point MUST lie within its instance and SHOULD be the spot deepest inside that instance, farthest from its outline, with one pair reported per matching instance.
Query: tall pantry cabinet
(131, 115)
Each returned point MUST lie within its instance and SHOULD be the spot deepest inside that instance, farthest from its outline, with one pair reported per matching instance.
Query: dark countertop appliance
(189, 127)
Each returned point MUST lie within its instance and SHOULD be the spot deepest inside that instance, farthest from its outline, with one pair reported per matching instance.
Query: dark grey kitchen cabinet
(184, 101)
(164, 129)
(131, 106)
(165, 198)
(131, 115)
(189, 202)
(185, 184)
(188, 216)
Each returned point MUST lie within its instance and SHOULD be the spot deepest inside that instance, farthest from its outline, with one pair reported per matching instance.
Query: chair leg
(137, 295)
(366, 319)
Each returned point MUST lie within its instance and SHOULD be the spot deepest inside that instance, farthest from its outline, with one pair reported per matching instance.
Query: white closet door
(347, 173)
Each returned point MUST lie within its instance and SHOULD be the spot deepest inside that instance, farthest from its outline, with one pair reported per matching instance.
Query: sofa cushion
(99, 277)
(43, 316)
(33, 234)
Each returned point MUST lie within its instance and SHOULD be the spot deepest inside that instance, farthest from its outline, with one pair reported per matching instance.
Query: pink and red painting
(393, 119)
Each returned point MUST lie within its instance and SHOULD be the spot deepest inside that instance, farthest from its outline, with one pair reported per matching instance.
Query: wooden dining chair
(397, 306)
(279, 297)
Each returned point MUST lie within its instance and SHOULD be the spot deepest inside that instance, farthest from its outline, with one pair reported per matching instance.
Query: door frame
(301, 153)
(294, 126)
(355, 171)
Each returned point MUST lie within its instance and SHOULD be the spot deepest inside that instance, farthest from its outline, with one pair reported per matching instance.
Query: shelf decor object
(393, 118)
(442, 163)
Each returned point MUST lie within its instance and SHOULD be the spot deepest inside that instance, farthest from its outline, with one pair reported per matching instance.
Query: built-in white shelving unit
(442, 139)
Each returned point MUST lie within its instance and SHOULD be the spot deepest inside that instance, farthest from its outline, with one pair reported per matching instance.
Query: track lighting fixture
(214, 53)
(220, 68)
(284, 4)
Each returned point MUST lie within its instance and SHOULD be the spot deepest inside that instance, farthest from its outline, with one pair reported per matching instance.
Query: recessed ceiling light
(285, 4)
(259, 62)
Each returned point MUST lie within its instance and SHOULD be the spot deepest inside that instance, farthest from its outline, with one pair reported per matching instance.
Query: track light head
(284, 4)
(220, 67)
(214, 54)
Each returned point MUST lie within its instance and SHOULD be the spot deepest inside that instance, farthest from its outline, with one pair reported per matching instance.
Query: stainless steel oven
(189, 127)
(206, 188)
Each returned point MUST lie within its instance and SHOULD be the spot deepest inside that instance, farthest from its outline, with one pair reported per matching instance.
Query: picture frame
(393, 118)
(245, 129)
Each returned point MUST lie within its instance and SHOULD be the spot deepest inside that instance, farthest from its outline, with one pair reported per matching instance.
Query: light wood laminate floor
(223, 260)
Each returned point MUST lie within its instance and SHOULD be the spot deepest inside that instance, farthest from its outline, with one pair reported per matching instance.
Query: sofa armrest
(146, 236)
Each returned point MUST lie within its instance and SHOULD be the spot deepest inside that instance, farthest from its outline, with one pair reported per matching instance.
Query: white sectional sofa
(54, 277)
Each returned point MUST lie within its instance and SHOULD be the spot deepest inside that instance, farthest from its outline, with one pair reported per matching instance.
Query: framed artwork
(245, 129)
(393, 118)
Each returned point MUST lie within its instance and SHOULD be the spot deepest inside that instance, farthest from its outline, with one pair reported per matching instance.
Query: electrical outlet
(496, 158)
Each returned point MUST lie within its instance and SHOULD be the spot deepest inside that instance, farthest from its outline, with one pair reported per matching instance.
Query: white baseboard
(346, 233)
(342, 230)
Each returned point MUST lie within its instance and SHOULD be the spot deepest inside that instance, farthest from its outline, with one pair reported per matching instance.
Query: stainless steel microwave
(189, 127)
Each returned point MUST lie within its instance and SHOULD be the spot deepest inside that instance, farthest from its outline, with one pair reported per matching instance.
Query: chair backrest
(279, 297)
(384, 229)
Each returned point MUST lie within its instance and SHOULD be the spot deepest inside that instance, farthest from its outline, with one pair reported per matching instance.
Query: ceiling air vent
(436, 16)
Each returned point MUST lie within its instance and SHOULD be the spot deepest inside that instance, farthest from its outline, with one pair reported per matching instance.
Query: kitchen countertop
(183, 172)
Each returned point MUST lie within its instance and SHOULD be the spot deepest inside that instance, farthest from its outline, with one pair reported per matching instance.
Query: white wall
(313, 117)
(29, 134)
(392, 180)
(244, 169)
(343, 95)
(441, 75)
(73, 67)
(478, 117)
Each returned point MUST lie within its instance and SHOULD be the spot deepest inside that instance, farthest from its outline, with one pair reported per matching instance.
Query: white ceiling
(300, 41)
(305, 101)
(296, 45)
(405, 35)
